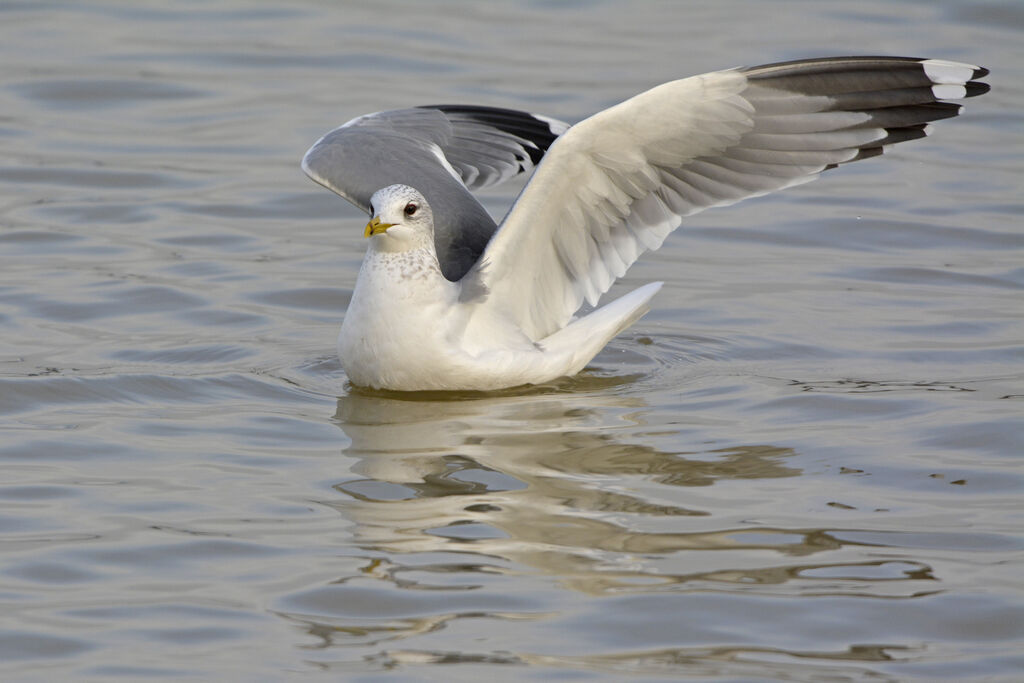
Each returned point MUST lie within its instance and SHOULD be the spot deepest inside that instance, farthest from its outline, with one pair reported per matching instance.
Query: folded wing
(616, 184)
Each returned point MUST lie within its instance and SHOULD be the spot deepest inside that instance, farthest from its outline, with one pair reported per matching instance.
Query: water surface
(803, 464)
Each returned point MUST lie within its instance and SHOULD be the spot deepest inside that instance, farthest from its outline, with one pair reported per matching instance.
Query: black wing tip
(495, 115)
(861, 61)
(904, 134)
(539, 132)
(975, 88)
(862, 153)
(842, 75)
(810, 62)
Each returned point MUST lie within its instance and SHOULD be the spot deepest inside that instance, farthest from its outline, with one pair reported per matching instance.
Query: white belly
(406, 330)
(397, 330)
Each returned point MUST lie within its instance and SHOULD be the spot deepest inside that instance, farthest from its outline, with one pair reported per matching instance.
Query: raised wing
(616, 184)
(444, 151)
(488, 145)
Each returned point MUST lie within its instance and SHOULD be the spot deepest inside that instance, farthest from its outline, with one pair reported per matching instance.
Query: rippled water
(803, 464)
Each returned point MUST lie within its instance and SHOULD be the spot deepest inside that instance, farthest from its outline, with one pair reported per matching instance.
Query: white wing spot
(949, 92)
(948, 73)
(437, 152)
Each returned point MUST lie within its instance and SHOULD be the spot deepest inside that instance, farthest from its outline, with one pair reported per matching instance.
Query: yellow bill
(375, 227)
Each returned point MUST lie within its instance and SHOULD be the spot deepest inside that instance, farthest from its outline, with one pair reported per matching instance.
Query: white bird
(447, 300)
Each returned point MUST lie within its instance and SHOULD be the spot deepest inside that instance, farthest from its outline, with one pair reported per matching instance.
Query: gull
(446, 299)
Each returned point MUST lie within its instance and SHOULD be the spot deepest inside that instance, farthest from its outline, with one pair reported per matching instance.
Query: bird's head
(401, 219)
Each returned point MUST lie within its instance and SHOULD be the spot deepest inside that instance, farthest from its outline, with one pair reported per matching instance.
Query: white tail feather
(584, 338)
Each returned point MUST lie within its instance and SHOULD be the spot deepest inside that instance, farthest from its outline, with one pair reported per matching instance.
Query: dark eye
(410, 209)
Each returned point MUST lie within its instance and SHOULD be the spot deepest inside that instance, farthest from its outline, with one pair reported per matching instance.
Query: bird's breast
(399, 320)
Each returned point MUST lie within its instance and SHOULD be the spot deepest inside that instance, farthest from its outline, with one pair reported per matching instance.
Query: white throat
(399, 239)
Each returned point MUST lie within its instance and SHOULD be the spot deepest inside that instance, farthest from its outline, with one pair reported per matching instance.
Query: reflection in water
(748, 663)
(529, 479)
(451, 497)
(752, 663)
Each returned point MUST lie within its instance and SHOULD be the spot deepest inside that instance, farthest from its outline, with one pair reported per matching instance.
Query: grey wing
(444, 151)
(489, 145)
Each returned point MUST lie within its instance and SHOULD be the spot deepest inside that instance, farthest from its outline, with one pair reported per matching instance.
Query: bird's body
(408, 328)
(447, 300)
